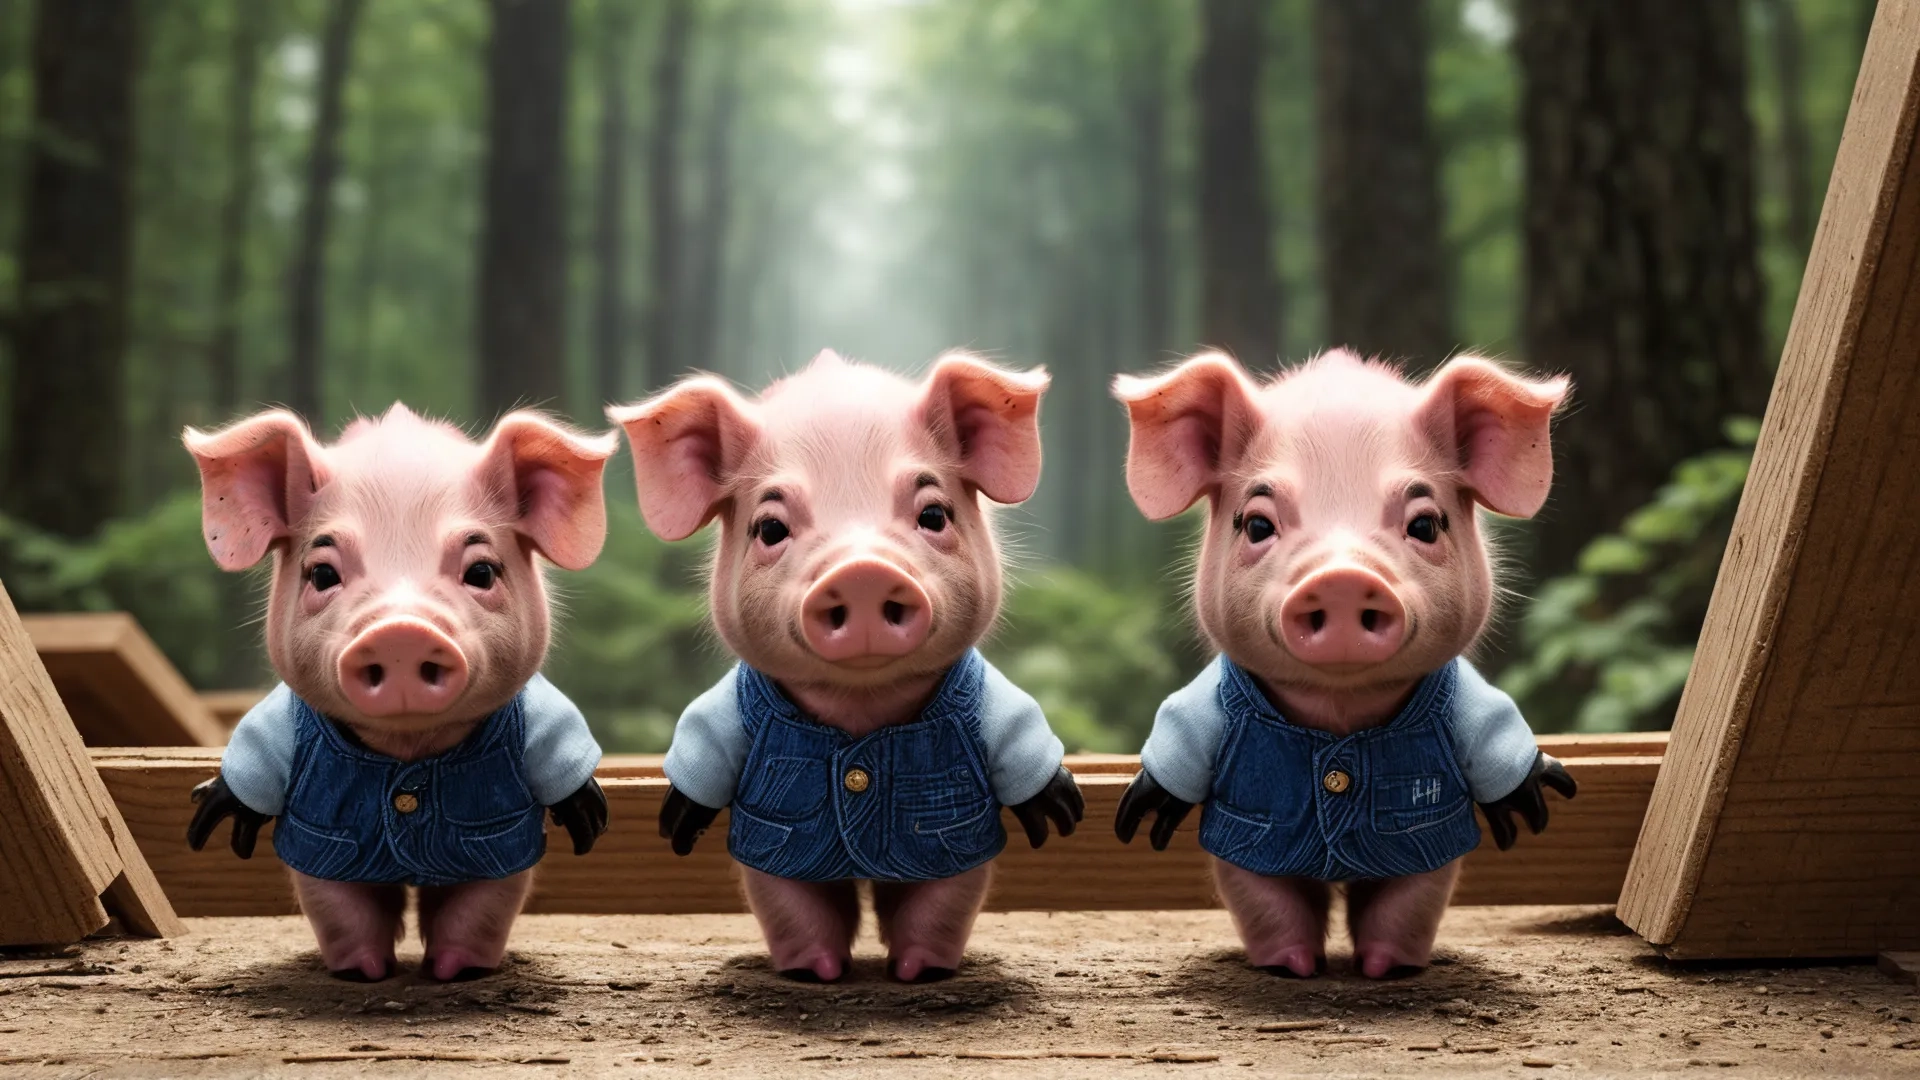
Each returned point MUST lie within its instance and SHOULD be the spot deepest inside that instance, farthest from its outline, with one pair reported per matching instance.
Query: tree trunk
(1640, 275)
(1381, 250)
(708, 252)
(1239, 288)
(307, 281)
(76, 237)
(1146, 94)
(223, 359)
(610, 209)
(1795, 154)
(663, 195)
(523, 241)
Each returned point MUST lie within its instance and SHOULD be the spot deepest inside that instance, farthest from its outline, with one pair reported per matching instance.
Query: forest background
(207, 205)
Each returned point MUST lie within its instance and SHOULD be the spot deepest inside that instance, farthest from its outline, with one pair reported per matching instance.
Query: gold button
(1336, 781)
(406, 802)
(857, 780)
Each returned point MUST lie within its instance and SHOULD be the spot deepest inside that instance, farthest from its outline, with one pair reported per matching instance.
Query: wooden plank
(62, 841)
(118, 686)
(1580, 859)
(228, 706)
(1787, 819)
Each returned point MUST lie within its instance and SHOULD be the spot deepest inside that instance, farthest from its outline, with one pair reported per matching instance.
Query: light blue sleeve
(561, 752)
(1491, 739)
(710, 745)
(1023, 753)
(258, 762)
(1185, 739)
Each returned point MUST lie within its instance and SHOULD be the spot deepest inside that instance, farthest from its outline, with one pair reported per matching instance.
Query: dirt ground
(1514, 991)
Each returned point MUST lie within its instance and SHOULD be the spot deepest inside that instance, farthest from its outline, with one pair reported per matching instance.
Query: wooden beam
(1580, 859)
(228, 706)
(67, 861)
(1787, 819)
(118, 686)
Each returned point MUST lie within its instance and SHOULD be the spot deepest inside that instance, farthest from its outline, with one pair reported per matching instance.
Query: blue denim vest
(905, 803)
(1401, 807)
(472, 815)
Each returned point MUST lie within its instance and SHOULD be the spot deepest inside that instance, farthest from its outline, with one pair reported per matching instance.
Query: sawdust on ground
(1514, 991)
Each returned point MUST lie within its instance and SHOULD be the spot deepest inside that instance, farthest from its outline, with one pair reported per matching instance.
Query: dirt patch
(1515, 991)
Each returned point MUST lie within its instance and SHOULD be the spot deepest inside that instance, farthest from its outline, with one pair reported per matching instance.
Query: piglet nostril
(837, 616)
(1370, 620)
(1317, 619)
(430, 673)
(375, 674)
(894, 612)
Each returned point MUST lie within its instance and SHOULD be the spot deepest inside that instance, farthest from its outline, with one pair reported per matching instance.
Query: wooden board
(118, 686)
(1580, 859)
(63, 844)
(1787, 819)
(228, 706)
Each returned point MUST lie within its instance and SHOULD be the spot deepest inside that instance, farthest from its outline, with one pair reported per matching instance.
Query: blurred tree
(1383, 264)
(307, 278)
(707, 252)
(1795, 152)
(665, 213)
(523, 238)
(236, 209)
(610, 204)
(1641, 280)
(1239, 293)
(1143, 93)
(70, 318)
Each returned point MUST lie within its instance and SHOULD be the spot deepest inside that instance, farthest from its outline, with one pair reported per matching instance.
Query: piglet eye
(323, 576)
(481, 575)
(1259, 528)
(1425, 528)
(771, 531)
(933, 517)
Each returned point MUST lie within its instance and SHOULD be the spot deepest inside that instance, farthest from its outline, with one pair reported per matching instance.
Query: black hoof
(465, 974)
(802, 975)
(1282, 971)
(355, 975)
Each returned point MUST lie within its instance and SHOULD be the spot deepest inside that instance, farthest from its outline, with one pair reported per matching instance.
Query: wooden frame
(67, 860)
(118, 686)
(1580, 859)
(1787, 819)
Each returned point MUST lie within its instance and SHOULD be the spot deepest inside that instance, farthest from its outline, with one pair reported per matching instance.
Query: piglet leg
(925, 924)
(809, 925)
(1394, 921)
(1282, 921)
(355, 924)
(464, 927)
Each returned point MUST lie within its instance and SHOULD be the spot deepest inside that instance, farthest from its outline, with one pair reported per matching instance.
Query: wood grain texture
(1787, 819)
(118, 686)
(62, 841)
(228, 706)
(1580, 859)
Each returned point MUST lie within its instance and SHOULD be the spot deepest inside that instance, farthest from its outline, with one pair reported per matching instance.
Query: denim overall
(905, 803)
(463, 815)
(1298, 802)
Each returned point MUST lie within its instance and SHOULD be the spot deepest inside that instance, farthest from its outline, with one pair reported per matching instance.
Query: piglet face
(406, 592)
(855, 550)
(1342, 549)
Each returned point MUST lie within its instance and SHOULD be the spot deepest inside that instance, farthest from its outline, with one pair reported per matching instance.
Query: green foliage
(1609, 646)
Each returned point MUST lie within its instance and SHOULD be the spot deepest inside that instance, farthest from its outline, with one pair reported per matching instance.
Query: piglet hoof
(914, 971)
(1300, 963)
(1385, 964)
(452, 967)
(369, 971)
(821, 969)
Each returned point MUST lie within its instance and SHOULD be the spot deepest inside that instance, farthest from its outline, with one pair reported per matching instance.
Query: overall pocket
(751, 839)
(505, 848)
(1233, 835)
(783, 788)
(314, 851)
(483, 792)
(1412, 802)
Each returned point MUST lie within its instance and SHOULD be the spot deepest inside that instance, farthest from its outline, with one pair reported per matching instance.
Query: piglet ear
(991, 417)
(552, 475)
(258, 478)
(688, 441)
(1493, 424)
(1189, 428)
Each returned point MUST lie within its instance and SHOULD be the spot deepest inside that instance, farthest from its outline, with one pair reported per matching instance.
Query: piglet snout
(1343, 615)
(401, 667)
(863, 609)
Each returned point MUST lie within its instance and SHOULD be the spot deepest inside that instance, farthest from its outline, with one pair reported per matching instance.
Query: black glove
(584, 813)
(1145, 796)
(217, 801)
(683, 821)
(1059, 800)
(1528, 800)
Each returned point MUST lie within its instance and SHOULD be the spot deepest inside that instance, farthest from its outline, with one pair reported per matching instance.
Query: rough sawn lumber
(118, 686)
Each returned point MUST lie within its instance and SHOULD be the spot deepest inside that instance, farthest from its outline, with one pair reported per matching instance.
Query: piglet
(861, 736)
(1340, 737)
(412, 740)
